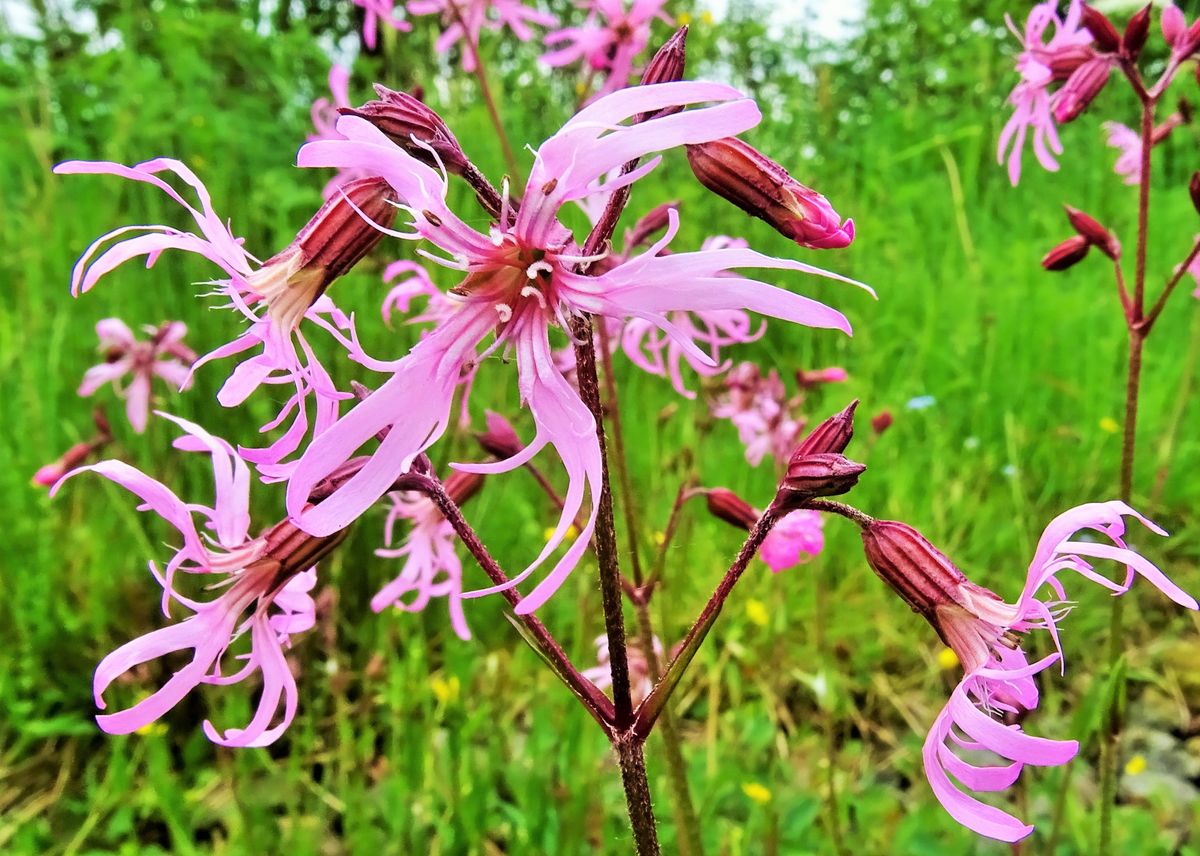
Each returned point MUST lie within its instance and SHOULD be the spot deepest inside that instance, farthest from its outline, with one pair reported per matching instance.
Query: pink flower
(272, 297)
(375, 11)
(1042, 62)
(266, 581)
(464, 20)
(815, 377)
(519, 282)
(609, 40)
(431, 565)
(759, 408)
(656, 352)
(163, 355)
(1129, 144)
(984, 632)
(793, 540)
(640, 681)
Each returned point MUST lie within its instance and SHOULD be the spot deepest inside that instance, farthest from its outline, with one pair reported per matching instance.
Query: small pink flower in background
(431, 565)
(654, 351)
(615, 32)
(793, 540)
(1042, 62)
(759, 408)
(640, 682)
(1126, 141)
(163, 355)
(263, 594)
(984, 631)
(464, 20)
(519, 282)
(375, 11)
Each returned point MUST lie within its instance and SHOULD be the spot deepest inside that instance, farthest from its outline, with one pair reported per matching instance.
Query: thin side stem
(485, 90)
(654, 705)
(595, 701)
(1156, 310)
(685, 492)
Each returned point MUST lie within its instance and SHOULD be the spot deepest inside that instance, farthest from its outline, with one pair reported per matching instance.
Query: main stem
(1111, 739)
(629, 746)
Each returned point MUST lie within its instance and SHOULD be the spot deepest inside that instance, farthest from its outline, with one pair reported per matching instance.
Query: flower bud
(1174, 24)
(500, 438)
(666, 66)
(1063, 61)
(413, 126)
(916, 570)
(652, 223)
(762, 188)
(819, 474)
(813, 377)
(730, 507)
(881, 421)
(462, 486)
(341, 232)
(832, 435)
(1096, 234)
(1081, 89)
(1067, 254)
(1102, 30)
(1194, 190)
(1136, 32)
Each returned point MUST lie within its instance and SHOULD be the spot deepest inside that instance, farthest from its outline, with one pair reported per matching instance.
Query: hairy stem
(654, 705)
(632, 758)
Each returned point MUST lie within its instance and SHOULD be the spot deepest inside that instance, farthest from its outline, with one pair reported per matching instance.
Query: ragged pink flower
(758, 406)
(520, 281)
(431, 565)
(1129, 143)
(609, 40)
(654, 351)
(984, 631)
(464, 20)
(640, 681)
(793, 540)
(1042, 62)
(265, 582)
(375, 11)
(272, 297)
(163, 355)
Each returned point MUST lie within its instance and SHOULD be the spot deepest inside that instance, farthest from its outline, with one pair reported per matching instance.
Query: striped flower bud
(414, 127)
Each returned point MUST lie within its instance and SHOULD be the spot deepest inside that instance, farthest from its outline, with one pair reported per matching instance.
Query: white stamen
(535, 292)
(504, 311)
(537, 268)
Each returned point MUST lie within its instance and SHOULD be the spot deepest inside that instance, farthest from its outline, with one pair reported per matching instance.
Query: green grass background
(841, 682)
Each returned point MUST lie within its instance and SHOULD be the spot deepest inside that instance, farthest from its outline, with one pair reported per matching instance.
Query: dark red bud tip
(100, 420)
(413, 126)
(730, 507)
(1095, 233)
(915, 569)
(1067, 254)
(1102, 30)
(739, 173)
(666, 66)
(1194, 190)
(1136, 32)
(832, 435)
(462, 486)
(500, 438)
(881, 422)
(819, 474)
